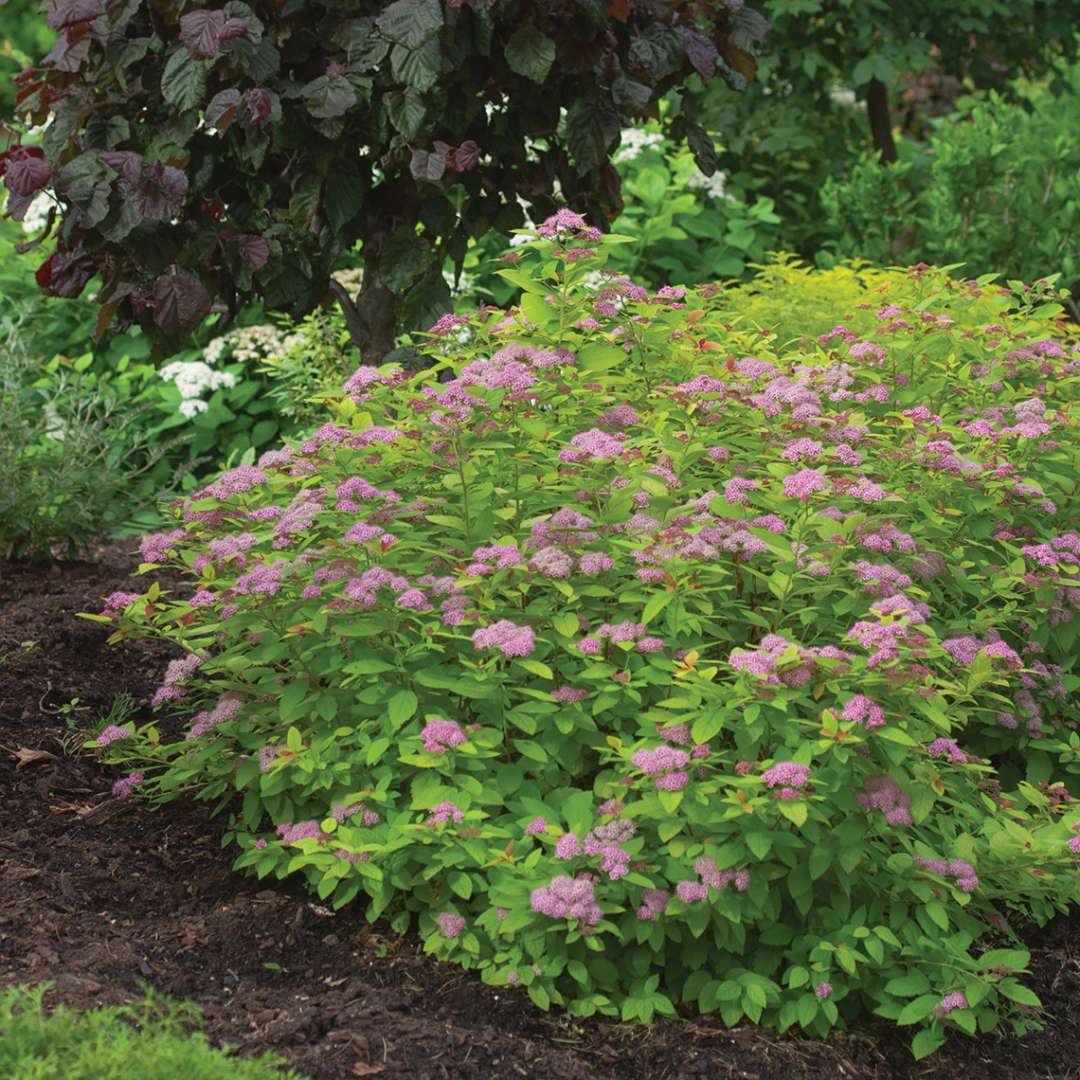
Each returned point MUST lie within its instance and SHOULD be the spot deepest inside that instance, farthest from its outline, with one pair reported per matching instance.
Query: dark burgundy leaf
(200, 32)
(701, 52)
(18, 205)
(65, 273)
(467, 155)
(426, 165)
(459, 158)
(233, 29)
(25, 170)
(159, 192)
(63, 13)
(702, 147)
(259, 105)
(70, 50)
(254, 250)
(221, 111)
(126, 162)
(180, 301)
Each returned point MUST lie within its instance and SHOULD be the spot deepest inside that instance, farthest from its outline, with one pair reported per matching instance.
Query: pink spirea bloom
(125, 786)
(804, 483)
(823, 989)
(511, 640)
(802, 450)
(955, 1000)
(156, 547)
(738, 488)
(445, 812)
(450, 925)
(112, 734)
(569, 694)
(861, 710)
(552, 562)
(117, 601)
(593, 444)
(653, 904)
(563, 221)
(567, 898)
(947, 748)
(568, 846)
(594, 562)
(690, 892)
(885, 794)
(438, 735)
(536, 826)
(786, 774)
(413, 600)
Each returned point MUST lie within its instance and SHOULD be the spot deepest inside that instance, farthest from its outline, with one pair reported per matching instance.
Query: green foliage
(408, 125)
(25, 37)
(149, 1038)
(315, 362)
(805, 119)
(576, 664)
(75, 452)
(687, 227)
(997, 189)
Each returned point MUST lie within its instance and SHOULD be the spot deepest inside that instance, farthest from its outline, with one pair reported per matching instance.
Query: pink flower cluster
(788, 777)
(948, 749)
(117, 601)
(654, 903)
(709, 877)
(225, 709)
(445, 812)
(568, 898)
(666, 764)
(620, 633)
(126, 785)
(450, 925)
(861, 710)
(569, 695)
(438, 735)
(112, 734)
(511, 640)
(885, 794)
(177, 673)
(955, 1000)
(962, 871)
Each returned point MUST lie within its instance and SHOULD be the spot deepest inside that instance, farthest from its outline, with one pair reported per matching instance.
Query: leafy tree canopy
(816, 45)
(205, 155)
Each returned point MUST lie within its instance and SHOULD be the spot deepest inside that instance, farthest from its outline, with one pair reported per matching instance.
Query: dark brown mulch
(100, 896)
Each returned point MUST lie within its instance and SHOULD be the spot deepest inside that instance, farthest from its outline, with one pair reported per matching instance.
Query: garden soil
(100, 896)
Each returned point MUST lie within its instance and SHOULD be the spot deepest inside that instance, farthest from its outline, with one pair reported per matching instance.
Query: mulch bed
(100, 896)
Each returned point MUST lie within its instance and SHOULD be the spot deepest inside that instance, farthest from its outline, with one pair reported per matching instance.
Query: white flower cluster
(37, 213)
(845, 96)
(465, 283)
(351, 279)
(193, 378)
(714, 186)
(634, 140)
(264, 341)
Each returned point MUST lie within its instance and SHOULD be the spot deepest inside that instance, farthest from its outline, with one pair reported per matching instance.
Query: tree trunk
(371, 317)
(877, 108)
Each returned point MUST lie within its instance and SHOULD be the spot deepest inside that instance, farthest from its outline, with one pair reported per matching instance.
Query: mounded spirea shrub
(650, 661)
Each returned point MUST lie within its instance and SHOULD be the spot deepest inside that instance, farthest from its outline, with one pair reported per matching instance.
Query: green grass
(148, 1039)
